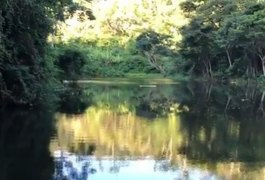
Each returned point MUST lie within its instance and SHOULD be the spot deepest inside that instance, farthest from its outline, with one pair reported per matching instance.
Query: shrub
(71, 62)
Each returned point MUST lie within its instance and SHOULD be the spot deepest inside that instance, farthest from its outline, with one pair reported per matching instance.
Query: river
(149, 130)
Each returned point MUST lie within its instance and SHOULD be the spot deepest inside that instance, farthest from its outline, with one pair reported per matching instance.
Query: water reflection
(71, 166)
(24, 145)
(73, 99)
(184, 129)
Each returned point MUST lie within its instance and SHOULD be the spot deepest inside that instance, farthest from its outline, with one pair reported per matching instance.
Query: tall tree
(227, 35)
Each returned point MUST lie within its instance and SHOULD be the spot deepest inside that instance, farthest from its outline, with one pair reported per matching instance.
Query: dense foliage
(224, 37)
(111, 40)
(24, 27)
(209, 38)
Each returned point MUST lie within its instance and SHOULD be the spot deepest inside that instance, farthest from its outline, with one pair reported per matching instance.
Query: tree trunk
(191, 69)
(227, 103)
(153, 62)
(263, 66)
(262, 59)
(209, 91)
(206, 68)
(228, 57)
(210, 68)
(261, 109)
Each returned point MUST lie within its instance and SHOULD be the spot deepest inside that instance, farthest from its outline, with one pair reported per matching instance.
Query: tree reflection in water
(215, 128)
(187, 130)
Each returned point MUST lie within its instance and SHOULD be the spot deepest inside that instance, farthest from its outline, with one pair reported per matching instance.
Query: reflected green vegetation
(181, 125)
(73, 100)
(213, 127)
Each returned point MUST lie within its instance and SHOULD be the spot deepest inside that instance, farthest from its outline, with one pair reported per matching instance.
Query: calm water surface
(128, 131)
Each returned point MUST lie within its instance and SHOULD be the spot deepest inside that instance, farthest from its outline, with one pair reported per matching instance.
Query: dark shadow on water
(24, 145)
(73, 100)
(224, 123)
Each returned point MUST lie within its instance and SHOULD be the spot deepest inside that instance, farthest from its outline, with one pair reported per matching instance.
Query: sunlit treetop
(125, 19)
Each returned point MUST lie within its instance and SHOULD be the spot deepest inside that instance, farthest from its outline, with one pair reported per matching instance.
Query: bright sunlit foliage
(124, 20)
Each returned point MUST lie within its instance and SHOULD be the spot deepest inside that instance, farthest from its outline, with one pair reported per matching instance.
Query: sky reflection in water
(71, 166)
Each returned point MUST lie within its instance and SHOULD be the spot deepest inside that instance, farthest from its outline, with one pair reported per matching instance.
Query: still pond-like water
(152, 130)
